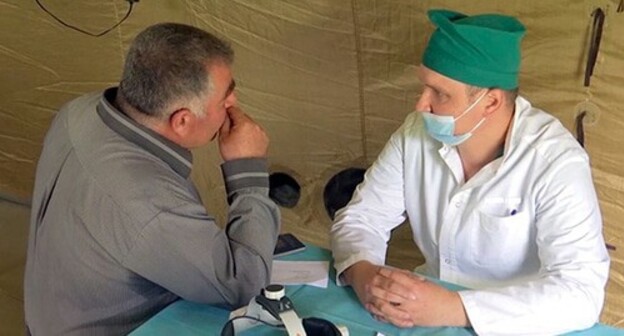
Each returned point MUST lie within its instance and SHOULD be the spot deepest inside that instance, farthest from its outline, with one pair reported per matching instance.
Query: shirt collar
(177, 157)
(511, 141)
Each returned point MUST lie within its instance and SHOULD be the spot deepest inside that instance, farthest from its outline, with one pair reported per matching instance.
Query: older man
(118, 230)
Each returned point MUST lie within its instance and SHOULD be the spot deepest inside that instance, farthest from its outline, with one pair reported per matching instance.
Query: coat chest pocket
(500, 238)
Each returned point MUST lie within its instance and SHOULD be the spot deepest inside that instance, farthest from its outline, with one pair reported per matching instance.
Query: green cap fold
(480, 50)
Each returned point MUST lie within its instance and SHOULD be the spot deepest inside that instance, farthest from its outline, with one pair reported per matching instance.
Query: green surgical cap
(480, 50)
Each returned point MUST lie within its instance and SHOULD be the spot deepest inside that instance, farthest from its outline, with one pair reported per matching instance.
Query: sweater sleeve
(185, 251)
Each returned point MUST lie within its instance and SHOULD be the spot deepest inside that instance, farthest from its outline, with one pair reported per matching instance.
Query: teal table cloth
(336, 304)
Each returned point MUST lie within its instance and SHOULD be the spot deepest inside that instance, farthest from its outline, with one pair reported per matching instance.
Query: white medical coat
(524, 233)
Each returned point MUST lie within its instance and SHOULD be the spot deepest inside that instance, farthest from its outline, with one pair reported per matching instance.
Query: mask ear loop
(476, 126)
(472, 105)
(469, 133)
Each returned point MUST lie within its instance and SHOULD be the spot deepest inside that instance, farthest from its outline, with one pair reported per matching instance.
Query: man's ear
(180, 122)
(494, 99)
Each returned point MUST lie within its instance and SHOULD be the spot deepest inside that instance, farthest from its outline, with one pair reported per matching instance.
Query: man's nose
(422, 103)
(231, 100)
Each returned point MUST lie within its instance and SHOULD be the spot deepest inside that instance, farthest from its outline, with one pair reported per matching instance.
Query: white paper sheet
(313, 273)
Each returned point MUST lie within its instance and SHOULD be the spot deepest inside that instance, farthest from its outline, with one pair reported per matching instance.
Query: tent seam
(359, 67)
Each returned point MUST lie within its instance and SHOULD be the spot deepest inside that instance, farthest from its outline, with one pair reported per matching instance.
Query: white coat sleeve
(362, 229)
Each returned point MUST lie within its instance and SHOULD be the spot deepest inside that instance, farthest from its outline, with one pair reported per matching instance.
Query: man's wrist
(351, 272)
(460, 316)
(245, 173)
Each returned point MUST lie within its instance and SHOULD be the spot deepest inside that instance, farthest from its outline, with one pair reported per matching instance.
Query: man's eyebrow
(230, 89)
(435, 88)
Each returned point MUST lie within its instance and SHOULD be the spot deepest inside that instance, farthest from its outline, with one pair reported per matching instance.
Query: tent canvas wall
(329, 80)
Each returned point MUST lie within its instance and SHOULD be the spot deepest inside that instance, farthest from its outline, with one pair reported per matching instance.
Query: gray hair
(167, 64)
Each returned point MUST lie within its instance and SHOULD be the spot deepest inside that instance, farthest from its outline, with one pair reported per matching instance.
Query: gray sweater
(118, 230)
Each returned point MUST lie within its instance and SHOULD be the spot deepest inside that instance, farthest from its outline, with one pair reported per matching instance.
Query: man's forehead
(435, 79)
(221, 79)
(220, 70)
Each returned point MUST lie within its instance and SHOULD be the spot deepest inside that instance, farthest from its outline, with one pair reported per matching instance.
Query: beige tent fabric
(329, 80)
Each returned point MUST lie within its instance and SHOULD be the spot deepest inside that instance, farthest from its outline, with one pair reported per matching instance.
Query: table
(336, 304)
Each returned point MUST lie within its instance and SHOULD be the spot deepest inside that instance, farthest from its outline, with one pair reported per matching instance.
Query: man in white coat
(499, 196)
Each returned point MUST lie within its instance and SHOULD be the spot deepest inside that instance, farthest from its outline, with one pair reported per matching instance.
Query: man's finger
(400, 276)
(382, 317)
(390, 312)
(236, 114)
(374, 311)
(386, 295)
(390, 285)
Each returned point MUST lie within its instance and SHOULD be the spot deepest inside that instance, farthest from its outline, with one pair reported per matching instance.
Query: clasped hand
(406, 299)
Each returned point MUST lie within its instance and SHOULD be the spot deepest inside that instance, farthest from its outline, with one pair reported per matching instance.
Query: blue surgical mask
(442, 128)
